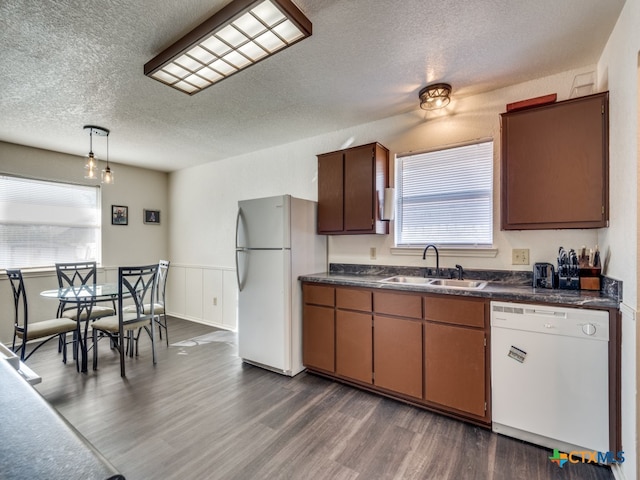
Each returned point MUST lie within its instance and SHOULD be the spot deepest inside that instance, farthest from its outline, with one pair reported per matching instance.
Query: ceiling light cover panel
(238, 36)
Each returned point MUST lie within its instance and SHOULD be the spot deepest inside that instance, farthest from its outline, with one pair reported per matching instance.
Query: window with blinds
(42, 223)
(445, 197)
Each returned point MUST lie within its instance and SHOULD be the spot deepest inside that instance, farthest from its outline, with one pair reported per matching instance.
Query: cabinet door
(397, 346)
(454, 371)
(330, 193)
(359, 195)
(555, 165)
(318, 337)
(354, 356)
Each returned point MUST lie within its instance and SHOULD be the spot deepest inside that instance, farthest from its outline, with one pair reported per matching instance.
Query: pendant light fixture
(92, 162)
(107, 174)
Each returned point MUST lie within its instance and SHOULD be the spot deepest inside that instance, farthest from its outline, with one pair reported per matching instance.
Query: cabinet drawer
(457, 311)
(352, 299)
(397, 304)
(319, 295)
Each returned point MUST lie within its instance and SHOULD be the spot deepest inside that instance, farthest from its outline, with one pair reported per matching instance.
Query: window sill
(467, 252)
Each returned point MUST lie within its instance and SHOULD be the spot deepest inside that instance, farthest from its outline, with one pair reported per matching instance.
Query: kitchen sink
(451, 283)
(409, 280)
(436, 282)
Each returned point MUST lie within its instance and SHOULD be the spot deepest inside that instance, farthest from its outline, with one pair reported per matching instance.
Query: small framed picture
(119, 215)
(152, 217)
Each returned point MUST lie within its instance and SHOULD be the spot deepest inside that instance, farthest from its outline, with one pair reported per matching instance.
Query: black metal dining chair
(27, 331)
(139, 285)
(159, 306)
(75, 274)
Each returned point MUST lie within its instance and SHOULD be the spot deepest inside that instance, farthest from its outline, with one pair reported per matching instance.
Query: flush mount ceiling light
(435, 96)
(92, 162)
(238, 36)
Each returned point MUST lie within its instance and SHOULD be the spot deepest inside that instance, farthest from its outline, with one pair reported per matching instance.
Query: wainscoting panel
(203, 294)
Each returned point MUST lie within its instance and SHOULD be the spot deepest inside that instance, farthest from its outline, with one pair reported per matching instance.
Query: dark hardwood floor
(201, 413)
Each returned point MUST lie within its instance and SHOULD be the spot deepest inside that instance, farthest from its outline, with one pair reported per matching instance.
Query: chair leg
(23, 349)
(162, 323)
(94, 337)
(121, 350)
(62, 343)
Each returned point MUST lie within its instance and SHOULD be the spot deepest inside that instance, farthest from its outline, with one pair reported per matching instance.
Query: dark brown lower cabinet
(454, 372)
(397, 363)
(354, 345)
(318, 337)
(424, 349)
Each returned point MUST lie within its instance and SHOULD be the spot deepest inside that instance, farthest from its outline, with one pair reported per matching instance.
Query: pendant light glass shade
(91, 167)
(107, 175)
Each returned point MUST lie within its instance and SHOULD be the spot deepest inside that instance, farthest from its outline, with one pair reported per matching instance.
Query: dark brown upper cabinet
(351, 183)
(555, 165)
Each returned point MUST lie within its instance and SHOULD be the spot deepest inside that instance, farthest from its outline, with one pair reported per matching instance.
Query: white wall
(204, 198)
(134, 244)
(618, 68)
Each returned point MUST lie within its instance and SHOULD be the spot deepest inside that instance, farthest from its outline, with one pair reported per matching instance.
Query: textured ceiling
(67, 63)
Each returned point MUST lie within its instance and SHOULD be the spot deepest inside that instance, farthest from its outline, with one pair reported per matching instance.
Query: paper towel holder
(388, 204)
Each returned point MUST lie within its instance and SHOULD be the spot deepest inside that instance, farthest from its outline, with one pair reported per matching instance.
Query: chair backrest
(163, 271)
(76, 273)
(19, 300)
(138, 284)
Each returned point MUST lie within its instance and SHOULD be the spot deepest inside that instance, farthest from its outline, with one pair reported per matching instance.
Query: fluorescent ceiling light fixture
(241, 34)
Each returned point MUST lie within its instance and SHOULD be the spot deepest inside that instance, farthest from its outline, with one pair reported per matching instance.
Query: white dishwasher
(550, 375)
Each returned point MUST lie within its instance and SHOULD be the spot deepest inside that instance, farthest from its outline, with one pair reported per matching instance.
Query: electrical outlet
(215, 301)
(520, 256)
(372, 253)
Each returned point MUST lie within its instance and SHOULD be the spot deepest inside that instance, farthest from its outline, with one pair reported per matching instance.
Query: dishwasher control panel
(574, 322)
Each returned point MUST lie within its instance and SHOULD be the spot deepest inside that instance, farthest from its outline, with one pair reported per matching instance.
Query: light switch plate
(520, 256)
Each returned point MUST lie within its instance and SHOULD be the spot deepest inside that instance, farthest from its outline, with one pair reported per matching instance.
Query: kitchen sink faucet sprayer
(424, 257)
(460, 271)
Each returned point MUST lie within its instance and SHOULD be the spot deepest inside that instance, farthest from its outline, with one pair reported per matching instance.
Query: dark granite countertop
(505, 286)
(38, 442)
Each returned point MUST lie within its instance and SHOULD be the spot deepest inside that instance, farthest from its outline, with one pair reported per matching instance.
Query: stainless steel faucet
(424, 257)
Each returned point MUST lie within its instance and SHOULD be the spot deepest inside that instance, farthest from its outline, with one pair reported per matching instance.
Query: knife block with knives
(568, 270)
(579, 270)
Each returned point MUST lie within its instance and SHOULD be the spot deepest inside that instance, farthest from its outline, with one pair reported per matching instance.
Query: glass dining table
(84, 297)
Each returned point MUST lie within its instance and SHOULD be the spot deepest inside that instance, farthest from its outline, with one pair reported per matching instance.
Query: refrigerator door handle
(237, 231)
(238, 251)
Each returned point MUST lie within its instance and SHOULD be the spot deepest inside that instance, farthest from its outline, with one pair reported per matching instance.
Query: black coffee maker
(544, 275)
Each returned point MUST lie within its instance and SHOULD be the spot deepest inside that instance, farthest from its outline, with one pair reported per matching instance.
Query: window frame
(95, 224)
(484, 249)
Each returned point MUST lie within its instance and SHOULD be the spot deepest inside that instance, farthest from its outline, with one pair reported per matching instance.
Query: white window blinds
(42, 223)
(445, 197)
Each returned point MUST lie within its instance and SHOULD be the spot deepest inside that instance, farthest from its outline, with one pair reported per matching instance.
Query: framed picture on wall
(151, 217)
(119, 215)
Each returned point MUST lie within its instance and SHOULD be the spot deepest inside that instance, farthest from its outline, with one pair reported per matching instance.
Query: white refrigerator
(276, 241)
